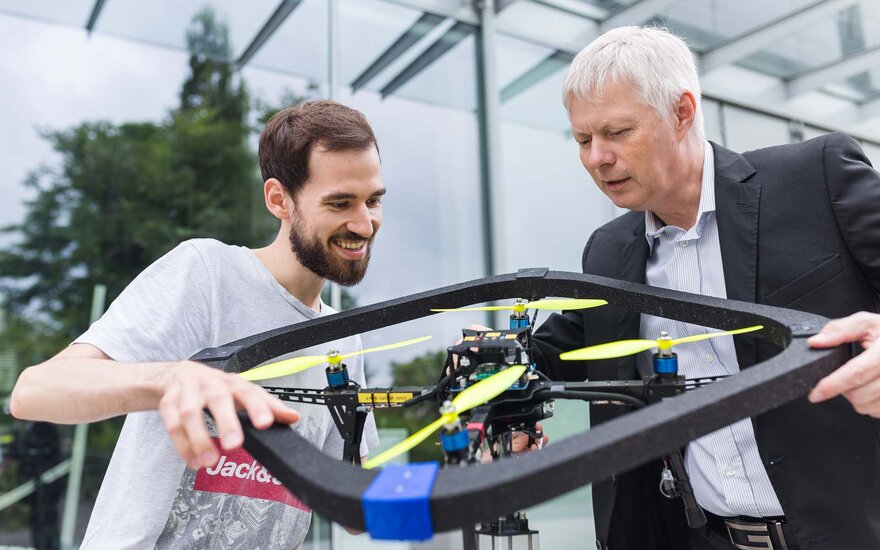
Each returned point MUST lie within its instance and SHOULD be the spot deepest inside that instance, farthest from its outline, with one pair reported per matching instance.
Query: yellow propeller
(472, 396)
(551, 304)
(629, 347)
(299, 364)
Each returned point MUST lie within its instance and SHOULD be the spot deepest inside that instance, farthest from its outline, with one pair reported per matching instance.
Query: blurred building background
(129, 126)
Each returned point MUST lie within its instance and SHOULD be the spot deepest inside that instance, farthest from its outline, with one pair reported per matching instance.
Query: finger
(854, 328)
(252, 399)
(219, 401)
(262, 408)
(193, 421)
(858, 371)
(866, 399)
(544, 439)
(282, 412)
(870, 409)
(168, 411)
(522, 441)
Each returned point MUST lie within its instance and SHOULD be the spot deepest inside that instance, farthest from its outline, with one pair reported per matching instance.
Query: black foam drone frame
(452, 498)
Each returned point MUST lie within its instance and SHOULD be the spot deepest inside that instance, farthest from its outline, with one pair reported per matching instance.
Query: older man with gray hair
(793, 226)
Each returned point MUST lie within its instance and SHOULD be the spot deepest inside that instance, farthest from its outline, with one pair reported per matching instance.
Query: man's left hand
(521, 442)
(858, 380)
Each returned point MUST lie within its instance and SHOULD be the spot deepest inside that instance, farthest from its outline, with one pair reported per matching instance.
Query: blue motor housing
(337, 378)
(455, 442)
(666, 365)
(516, 323)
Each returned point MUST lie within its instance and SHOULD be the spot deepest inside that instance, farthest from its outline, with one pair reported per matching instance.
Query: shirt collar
(653, 229)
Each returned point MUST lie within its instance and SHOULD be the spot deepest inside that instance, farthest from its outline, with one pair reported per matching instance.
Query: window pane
(746, 130)
(712, 121)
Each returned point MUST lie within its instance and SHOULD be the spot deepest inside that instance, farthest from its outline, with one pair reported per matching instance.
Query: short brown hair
(289, 137)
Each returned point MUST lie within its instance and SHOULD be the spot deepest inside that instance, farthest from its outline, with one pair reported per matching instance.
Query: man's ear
(278, 201)
(685, 113)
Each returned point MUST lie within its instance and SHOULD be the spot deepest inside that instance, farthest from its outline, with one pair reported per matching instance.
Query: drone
(491, 390)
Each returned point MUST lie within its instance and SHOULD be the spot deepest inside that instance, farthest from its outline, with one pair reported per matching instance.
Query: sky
(56, 77)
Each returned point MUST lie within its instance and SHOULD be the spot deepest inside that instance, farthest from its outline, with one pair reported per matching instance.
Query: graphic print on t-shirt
(238, 504)
(239, 473)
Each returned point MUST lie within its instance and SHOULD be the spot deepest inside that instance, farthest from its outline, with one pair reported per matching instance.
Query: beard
(318, 258)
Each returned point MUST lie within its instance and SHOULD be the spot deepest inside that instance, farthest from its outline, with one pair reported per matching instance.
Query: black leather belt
(752, 533)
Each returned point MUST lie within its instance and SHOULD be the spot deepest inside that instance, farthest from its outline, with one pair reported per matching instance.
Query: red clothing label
(237, 473)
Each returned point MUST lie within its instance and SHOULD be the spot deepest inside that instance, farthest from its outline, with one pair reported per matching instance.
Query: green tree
(423, 370)
(125, 194)
(121, 196)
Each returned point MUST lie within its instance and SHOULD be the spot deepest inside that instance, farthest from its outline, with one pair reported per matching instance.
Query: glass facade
(417, 69)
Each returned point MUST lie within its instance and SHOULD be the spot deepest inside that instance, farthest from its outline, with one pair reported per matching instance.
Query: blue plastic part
(454, 442)
(518, 323)
(396, 504)
(666, 365)
(337, 379)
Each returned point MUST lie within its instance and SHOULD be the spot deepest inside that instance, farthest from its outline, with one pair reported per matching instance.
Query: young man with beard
(171, 483)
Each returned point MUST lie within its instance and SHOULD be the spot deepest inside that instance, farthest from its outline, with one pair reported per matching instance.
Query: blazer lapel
(737, 205)
(632, 269)
(635, 255)
(736, 210)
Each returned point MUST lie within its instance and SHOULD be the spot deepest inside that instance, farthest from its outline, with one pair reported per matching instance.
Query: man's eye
(618, 132)
(584, 142)
(339, 205)
(376, 201)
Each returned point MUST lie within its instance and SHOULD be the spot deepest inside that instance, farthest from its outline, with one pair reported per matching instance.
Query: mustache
(349, 236)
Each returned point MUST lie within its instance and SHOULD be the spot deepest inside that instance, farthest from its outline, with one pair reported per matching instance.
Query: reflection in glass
(152, 21)
(746, 130)
(71, 12)
(299, 45)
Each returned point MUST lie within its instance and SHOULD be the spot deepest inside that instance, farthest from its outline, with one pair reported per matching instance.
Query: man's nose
(362, 222)
(598, 155)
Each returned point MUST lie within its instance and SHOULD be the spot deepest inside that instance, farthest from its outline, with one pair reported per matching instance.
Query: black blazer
(799, 227)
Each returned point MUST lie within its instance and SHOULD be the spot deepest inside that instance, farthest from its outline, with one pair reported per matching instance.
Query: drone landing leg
(511, 531)
(681, 486)
(350, 423)
(469, 539)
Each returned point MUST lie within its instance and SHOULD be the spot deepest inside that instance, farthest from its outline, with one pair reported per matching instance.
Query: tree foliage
(423, 370)
(121, 196)
(124, 194)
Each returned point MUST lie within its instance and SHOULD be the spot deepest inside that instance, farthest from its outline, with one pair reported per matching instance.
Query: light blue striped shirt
(725, 468)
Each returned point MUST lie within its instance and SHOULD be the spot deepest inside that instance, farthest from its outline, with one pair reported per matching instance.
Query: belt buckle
(748, 535)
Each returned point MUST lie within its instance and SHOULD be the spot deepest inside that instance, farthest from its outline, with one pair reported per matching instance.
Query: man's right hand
(187, 388)
(83, 384)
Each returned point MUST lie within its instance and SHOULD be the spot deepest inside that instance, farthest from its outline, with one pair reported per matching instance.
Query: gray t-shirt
(200, 295)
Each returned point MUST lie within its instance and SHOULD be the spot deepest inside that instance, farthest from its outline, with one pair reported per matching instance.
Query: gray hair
(658, 64)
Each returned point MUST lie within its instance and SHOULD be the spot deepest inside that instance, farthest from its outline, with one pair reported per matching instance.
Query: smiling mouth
(349, 249)
(354, 246)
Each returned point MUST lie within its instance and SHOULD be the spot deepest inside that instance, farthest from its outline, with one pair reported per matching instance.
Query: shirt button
(683, 244)
(709, 358)
(730, 472)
